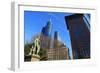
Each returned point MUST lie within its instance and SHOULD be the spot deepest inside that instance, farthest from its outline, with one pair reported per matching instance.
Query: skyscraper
(55, 39)
(46, 29)
(79, 35)
(56, 50)
(46, 36)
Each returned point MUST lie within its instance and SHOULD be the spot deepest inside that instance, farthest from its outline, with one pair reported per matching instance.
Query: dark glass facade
(46, 29)
(79, 36)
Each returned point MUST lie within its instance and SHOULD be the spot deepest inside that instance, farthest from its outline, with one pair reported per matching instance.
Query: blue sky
(34, 22)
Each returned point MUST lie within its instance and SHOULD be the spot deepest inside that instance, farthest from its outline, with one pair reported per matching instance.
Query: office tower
(59, 50)
(79, 35)
(55, 39)
(46, 36)
(56, 50)
(47, 29)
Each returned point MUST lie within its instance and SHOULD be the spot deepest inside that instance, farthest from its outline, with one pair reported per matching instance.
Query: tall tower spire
(46, 30)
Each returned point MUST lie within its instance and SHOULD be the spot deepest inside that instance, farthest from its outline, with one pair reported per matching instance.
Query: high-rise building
(45, 35)
(79, 35)
(56, 35)
(47, 29)
(59, 51)
(55, 39)
(56, 50)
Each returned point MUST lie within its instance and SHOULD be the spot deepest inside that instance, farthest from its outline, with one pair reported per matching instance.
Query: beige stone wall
(58, 54)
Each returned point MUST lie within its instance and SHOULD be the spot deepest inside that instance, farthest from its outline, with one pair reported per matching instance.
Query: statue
(36, 48)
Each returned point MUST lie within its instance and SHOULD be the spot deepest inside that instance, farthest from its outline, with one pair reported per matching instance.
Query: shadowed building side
(79, 35)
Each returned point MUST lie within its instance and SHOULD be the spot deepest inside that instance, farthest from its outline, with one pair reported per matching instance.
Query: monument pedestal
(35, 58)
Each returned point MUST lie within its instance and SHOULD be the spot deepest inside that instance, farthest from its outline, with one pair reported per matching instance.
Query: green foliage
(43, 54)
(27, 49)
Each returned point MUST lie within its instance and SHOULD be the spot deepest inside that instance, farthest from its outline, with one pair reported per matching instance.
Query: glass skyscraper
(79, 32)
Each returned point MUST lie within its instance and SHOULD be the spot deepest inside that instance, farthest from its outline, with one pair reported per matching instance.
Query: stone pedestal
(35, 58)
